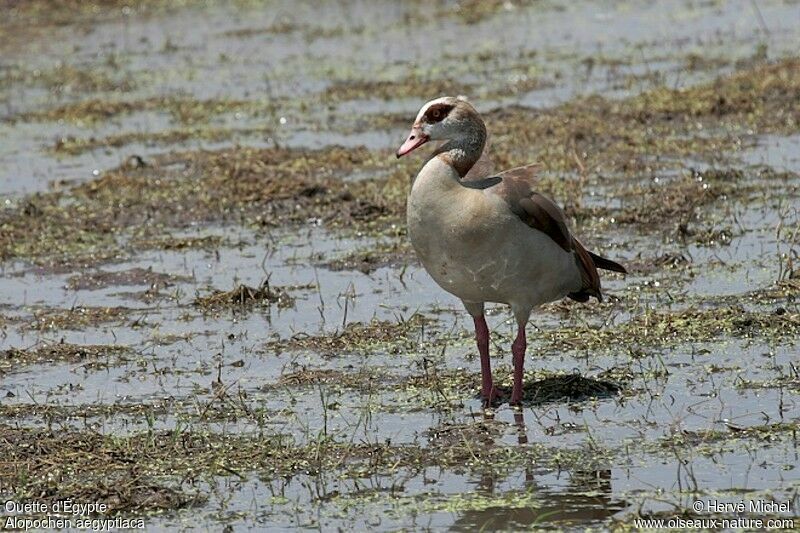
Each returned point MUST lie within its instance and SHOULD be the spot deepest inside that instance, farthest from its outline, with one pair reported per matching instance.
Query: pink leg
(482, 339)
(518, 352)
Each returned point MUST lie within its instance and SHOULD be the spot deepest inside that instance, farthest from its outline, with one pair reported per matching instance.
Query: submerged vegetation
(145, 367)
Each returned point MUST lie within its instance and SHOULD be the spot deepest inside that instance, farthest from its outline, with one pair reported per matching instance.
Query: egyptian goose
(490, 239)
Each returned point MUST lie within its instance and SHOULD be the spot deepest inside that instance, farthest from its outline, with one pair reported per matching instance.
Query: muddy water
(688, 402)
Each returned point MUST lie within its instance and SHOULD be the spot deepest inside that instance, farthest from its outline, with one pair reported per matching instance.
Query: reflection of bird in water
(490, 237)
(587, 499)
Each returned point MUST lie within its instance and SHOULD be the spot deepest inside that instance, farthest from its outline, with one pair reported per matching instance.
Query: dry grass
(244, 297)
(602, 141)
(657, 329)
(396, 336)
(76, 318)
(15, 358)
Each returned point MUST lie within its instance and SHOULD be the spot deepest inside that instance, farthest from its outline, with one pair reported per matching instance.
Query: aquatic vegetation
(14, 358)
(76, 318)
(135, 276)
(410, 87)
(395, 254)
(653, 329)
(396, 336)
(144, 366)
(243, 297)
(180, 108)
(67, 79)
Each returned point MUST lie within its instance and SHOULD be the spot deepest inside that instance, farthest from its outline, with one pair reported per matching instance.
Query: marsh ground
(210, 314)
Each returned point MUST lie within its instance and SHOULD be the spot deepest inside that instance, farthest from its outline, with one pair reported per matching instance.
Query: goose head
(445, 118)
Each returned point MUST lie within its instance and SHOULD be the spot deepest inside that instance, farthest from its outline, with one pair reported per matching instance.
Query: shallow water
(271, 55)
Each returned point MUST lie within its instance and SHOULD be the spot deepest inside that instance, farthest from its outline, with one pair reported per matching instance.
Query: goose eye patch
(437, 113)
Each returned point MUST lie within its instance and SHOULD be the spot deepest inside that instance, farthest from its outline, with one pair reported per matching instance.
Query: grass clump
(308, 376)
(706, 441)
(65, 78)
(243, 297)
(262, 187)
(368, 260)
(182, 109)
(764, 94)
(169, 242)
(76, 146)
(658, 329)
(407, 87)
(589, 137)
(99, 279)
(395, 337)
(14, 358)
(653, 130)
(76, 318)
(52, 465)
(157, 470)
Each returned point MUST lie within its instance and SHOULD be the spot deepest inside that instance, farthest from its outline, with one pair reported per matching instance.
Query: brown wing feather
(542, 214)
(589, 275)
(607, 264)
(545, 216)
(535, 209)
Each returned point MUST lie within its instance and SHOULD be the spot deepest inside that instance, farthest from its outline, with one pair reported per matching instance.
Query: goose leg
(482, 340)
(518, 353)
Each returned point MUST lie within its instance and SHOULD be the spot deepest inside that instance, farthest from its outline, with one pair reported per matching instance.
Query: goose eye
(436, 113)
